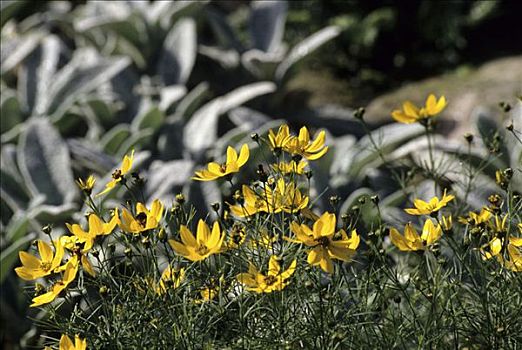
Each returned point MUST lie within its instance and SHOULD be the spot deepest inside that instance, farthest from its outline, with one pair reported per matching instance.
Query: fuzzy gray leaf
(306, 47)
(196, 138)
(178, 53)
(267, 24)
(43, 159)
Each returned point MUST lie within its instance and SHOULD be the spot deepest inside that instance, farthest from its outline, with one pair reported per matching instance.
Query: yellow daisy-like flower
(433, 206)
(321, 239)
(67, 344)
(200, 247)
(287, 168)
(274, 280)
(33, 268)
(144, 220)
(232, 165)
(170, 278)
(411, 113)
(514, 252)
(97, 227)
(278, 141)
(411, 241)
(87, 185)
(475, 219)
(301, 145)
(73, 244)
(71, 269)
(119, 174)
(284, 197)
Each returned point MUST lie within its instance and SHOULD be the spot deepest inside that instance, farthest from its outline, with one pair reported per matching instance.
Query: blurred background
(84, 82)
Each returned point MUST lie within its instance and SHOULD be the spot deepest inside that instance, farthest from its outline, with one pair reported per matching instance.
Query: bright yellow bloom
(475, 219)
(321, 239)
(433, 206)
(200, 247)
(514, 252)
(170, 278)
(278, 142)
(232, 165)
(119, 174)
(87, 185)
(33, 268)
(144, 220)
(284, 197)
(411, 240)
(411, 113)
(67, 344)
(274, 280)
(79, 252)
(97, 227)
(71, 269)
(286, 168)
(302, 145)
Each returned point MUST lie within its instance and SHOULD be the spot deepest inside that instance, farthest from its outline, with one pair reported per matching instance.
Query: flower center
(116, 174)
(202, 249)
(270, 280)
(323, 241)
(141, 218)
(223, 167)
(46, 266)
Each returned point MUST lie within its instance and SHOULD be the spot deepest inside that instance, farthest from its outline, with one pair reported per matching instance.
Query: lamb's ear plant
(265, 268)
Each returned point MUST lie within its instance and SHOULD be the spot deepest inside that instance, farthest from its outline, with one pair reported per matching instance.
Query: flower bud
(180, 198)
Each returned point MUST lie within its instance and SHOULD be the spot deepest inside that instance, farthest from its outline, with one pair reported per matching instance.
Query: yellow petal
(126, 165)
(187, 237)
(46, 253)
(244, 153)
(96, 225)
(273, 266)
(66, 343)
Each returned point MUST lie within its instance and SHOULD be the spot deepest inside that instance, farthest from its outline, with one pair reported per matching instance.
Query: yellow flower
(232, 165)
(411, 113)
(87, 185)
(71, 268)
(279, 141)
(79, 252)
(33, 268)
(321, 239)
(290, 167)
(170, 278)
(67, 344)
(97, 227)
(200, 247)
(274, 280)
(284, 197)
(119, 174)
(475, 219)
(144, 220)
(302, 145)
(514, 253)
(411, 240)
(433, 206)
